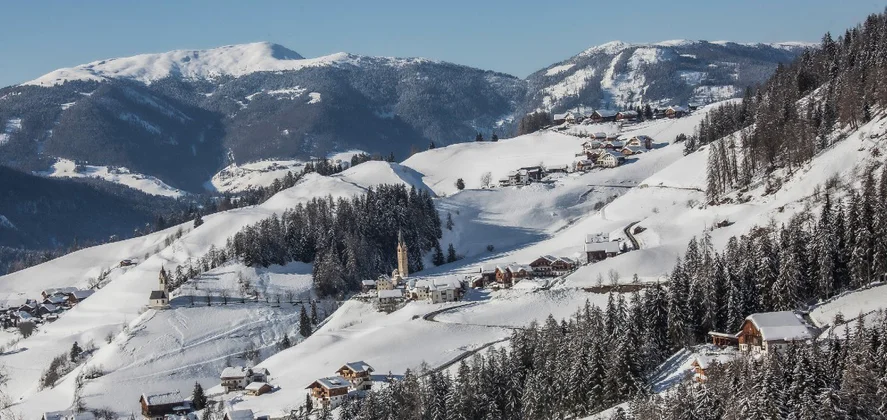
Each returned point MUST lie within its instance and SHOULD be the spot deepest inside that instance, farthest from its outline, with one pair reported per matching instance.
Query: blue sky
(516, 37)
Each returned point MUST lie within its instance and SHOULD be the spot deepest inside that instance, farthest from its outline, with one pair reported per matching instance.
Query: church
(399, 275)
(159, 299)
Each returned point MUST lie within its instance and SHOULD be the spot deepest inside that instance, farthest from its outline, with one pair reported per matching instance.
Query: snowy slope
(65, 168)
(230, 60)
(238, 178)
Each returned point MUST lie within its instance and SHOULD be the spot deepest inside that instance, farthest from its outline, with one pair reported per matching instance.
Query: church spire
(402, 262)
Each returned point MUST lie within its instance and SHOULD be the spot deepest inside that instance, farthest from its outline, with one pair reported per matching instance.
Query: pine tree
(313, 312)
(75, 352)
(451, 254)
(449, 221)
(460, 184)
(479, 137)
(198, 398)
(198, 220)
(304, 323)
(285, 342)
(438, 258)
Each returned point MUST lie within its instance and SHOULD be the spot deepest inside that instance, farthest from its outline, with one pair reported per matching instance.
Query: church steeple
(402, 263)
(164, 280)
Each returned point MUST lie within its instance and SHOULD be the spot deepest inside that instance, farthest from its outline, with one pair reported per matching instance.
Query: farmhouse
(78, 296)
(245, 414)
(56, 300)
(487, 274)
(158, 406)
(584, 165)
(368, 285)
(603, 115)
(632, 150)
(700, 364)
(68, 415)
(592, 145)
(238, 377)
(626, 115)
(434, 291)
(675, 111)
(358, 373)
(330, 391)
(599, 251)
(766, 331)
(58, 291)
(641, 140)
(258, 388)
(548, 265)
(388, 299)
(610, 159)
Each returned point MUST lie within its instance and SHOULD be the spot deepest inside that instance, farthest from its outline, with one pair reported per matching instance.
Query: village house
(591, 146)
(158, 406)
(487, 275)
(610, 159)
(584, 165)
(641, 140)
(766, 331)
(436, 291)
(245, 414)
(367, 285)
(700, 364)
(330, 391)
(574, 117)
(385, 283)
(68, 415)
(548, 265)
(387, 300)
(258, 388)
(238, 377)
(692, 106)
(600, 250)
(56, 300)
(358, 373)
(626, 115)
(563, 265)
(65, 291)
(558, 119)
(675, 111)
(632, 150)
(47, 308)
(78, 296)
(603, 115)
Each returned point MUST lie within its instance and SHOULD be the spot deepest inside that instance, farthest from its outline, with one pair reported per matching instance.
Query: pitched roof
(487, 268)
(234, 372)
(157, 294)
(629, 113)
(172, 397)
(63, 290)
(82, 294)
(604, 113)
(331, 382)
(55, 299)
(255, 386)
(358, 366)
(245, 414)
(780, 326)
(68, 415)
(368, 282)
(596, 237)
(702, 361)
(393, 293)
(49, 307)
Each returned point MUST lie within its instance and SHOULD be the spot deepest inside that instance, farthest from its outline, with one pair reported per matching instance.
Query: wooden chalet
(245, 414)
(542, 266)
(600, 250)
(562, 265)
(626, 115)
(68, 415)
(603, 115)
(330, 391)
(64, 291)
(675, 111)
(610, 159)
(258, 388)
(700, 364)
(584, 165)
(503, 275)
(359, 373)
(158, 406)
(638, 141)
(762, 332)
(632, 150)
(367, 285)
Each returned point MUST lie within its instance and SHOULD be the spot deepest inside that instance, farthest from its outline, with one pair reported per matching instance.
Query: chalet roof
(445, 284)
(368, 282)
(677, 108)
(49, 307)
(635, 149)
(68, 415)
(600, 135)
(234, 372)
(585, 161)
(604, 113)
(393, 293)
(23, 315)
(560, 116)
(780, 326)
(358, 366)
(255, 386)
(158, 294)
(629, 113)
(618, 143)
(550, 258)
(82, 294)
(487, 268)
(703, 361)
(331, 382)
(567, 260)
(609, 247)
(60, 290)
(260, 371)
(56, 300)
(642, 137)
(173, 397)
(245, 414)
(518, 267)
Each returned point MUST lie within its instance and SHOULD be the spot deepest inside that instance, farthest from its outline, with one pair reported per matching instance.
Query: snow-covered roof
(780, 326)
(609, 247)
(442, 284)
(677, 108)
(49, 307)
(561, 116)
(23, 315)
(358, 367)
(488, 268)
(629, 113)
(61, 290)
(332, 382)
(635, 149)
(703, 361)
(604, 113)
(600, 135)
(157, 294)
(642, 137)
(368, 282)
(56, 299)
(393, 293)
(234, 372)
(255, 386)
(171, 397)
(82, 294)
(567, 260)
(617, 143)
(68, 415)
(245, 414)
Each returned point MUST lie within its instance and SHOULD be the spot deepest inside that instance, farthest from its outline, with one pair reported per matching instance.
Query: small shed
(258, 388)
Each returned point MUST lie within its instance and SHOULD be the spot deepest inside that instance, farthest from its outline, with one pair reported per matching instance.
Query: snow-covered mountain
(619, 74)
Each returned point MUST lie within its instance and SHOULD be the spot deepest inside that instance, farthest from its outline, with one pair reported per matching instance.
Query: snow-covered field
(662, 190)
(238, 178)
(65, 168)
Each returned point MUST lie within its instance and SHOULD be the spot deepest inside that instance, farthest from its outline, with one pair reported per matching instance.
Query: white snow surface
(65, 168)
(230, 60)
(12, 126)
(238, 178)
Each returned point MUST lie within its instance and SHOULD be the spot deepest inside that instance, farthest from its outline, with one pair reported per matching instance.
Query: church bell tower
(402, 266)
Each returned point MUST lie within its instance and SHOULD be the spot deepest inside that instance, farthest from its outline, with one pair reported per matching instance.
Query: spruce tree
(438, 258)
(198, 398)
(460, 184)
(451, 254)
(75, 352)
(304, 323)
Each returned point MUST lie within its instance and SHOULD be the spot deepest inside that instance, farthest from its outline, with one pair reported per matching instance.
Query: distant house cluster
(351, 381)
(393, 291)
(506, 275)
(47, 308)
(628, 115)
(609, 151)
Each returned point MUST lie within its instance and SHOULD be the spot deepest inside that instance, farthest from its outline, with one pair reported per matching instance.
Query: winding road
(630, 236)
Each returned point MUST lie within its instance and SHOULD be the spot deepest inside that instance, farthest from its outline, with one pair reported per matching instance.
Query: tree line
(800, 110)
(348, 240)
